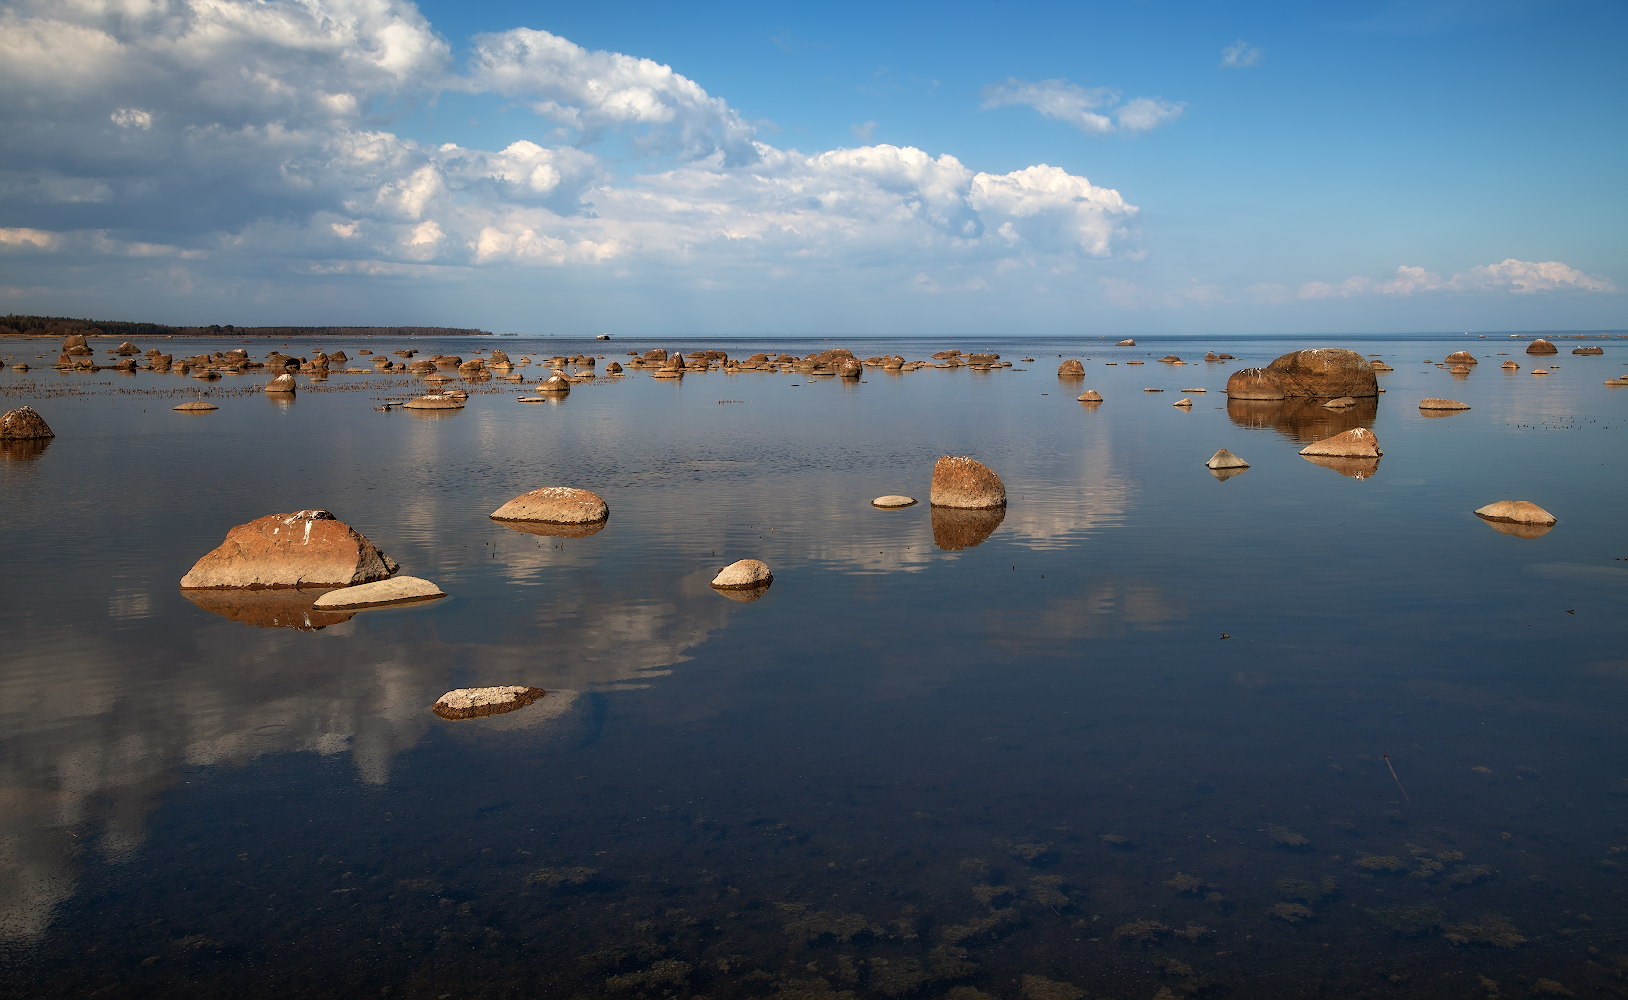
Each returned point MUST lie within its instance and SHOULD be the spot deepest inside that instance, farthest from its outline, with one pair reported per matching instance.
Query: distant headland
(62, 326)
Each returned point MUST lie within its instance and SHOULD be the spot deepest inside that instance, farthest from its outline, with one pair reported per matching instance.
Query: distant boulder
(1588, 350)
(125, 349)
(1541, 346)
(1126, 343)
(1460, 358)
(1071, 367)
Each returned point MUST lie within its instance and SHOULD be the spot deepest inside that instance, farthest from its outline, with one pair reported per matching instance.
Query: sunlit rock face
(308, 548)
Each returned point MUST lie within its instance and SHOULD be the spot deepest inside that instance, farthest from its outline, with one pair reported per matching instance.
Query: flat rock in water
(1358, 442)
(1539, 371)
(1442, 404)
(966, 483)
(1541, 346)
(1090, 396)
(1225, 459)
(742, 574)
(24, 424)
(392, 591)
(475, 703)
(554, 505)
(1588, 350)
(1515, 512)
(1126, 343)
(435, 401)
(308, 548)
(196, 406)
(1341, 403)
(893, 500)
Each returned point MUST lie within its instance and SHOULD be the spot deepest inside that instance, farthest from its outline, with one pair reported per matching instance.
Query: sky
(755, 169)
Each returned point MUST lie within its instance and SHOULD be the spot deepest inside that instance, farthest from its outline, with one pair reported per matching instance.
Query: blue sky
(652, 168)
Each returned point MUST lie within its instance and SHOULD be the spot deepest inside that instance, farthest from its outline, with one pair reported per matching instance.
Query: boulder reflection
(955, 529)
(1356, 468)
(25, 450)
(1304, 420)
(269, 608)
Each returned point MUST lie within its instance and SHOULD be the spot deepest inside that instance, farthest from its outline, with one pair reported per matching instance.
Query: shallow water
(1017, 758)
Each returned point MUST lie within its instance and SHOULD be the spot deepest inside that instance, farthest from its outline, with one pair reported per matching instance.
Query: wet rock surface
(478, 703)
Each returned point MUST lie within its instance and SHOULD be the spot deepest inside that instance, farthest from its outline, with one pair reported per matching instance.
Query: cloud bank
(1516, 277)
(253, 137)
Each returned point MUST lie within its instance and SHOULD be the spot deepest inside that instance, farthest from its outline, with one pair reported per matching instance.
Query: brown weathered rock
(74, 343)
(477, 703)
(1170, 359)
(282, 383)
(196, 406)
(850, 368)
(1321, 372)
(1588, 350)
(1089, 396)
(1515, 512)
(1459, 370)
(1224, 459)
(1184, 401)
(613, 369)
(1511, 366)
(1126, 343)
(24, 424)
(555, 505)
(966, 483)
(307, 548)
(1359, 442)
(1071, 367)
(1541, 346)
(1460, 358)
(1253, 383)
(555, 383)
(434, 401)
(957, 528)
(1211, 356)
(743, 574)
(125, 349)
(1442, 404)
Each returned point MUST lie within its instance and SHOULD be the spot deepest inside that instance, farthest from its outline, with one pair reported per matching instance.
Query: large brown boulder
(1071, 367)
(308, 548)
(555, 505)
(24, 424)
(1321, 372)
(1541, 346)
(74, 343)
(967, 484)
(1253, 383)
(1459, 358)
(850, 368)
(125, 349)
(282, 383)
(1588, 350)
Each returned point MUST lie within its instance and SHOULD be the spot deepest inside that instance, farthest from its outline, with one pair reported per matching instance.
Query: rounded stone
(1322, 372)
(1442, 404)
(1090, 396)
(743, 574)
(1126, 343)
(554, 505)
(1461, 358)
(1515, 512)
(966, 483)
(893, 500)
(381, 592)
(556, 382)
(282, 383)
(475, 703)
(1253, 383)
(1541, 346)
(1071, 367)
(24, 424)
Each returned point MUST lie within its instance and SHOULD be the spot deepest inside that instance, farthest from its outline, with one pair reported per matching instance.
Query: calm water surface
(923, 765)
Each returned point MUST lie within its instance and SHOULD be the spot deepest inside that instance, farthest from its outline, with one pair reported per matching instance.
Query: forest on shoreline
(62, 326)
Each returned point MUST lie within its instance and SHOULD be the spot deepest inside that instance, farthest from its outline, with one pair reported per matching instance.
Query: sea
(1312, 729)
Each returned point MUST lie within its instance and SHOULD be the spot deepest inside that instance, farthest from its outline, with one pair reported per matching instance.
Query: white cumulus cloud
(1517, 277)
(1093, 110)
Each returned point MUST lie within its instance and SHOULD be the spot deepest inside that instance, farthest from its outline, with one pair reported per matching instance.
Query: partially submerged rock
(1442, 404)
(555, 505)
(282, 383)
(966, 483)
(1253, 383)
(1224, 459)
(1588, 350)
(893, 500)
(435, 401)
(24, 424)
(1071, 367)
(475, 703)
(196, 406)
(1126, 343)
(308, 548)
(1090, 396)
(1541, 346)
(1340, 403)
(1461, 358)
(1322, 372)
(398, 590)
(1184, 401)
(742, 574)
(1358, 442)
(1515, 512)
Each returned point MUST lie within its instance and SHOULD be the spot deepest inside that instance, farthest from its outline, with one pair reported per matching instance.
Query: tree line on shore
(61, 326)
